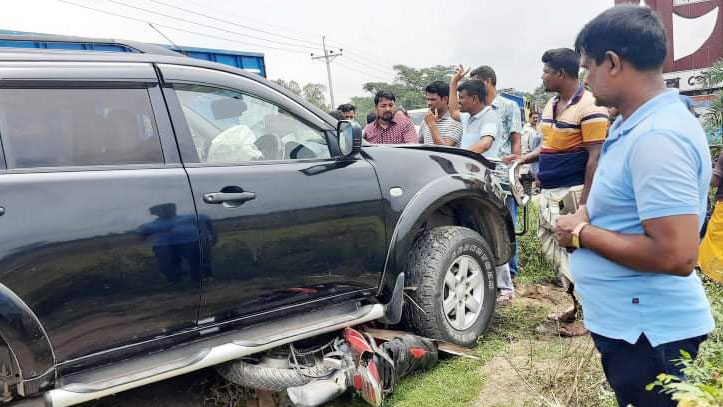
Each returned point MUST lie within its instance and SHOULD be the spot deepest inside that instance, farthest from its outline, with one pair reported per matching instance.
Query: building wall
(683, 20)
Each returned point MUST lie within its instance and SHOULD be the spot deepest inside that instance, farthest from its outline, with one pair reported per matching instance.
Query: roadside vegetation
(704, 384)
(524, 363)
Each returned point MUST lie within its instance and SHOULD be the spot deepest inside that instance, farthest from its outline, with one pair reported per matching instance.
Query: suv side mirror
(350, 137)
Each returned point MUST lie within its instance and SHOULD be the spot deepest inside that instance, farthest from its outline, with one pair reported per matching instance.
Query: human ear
(615, 63)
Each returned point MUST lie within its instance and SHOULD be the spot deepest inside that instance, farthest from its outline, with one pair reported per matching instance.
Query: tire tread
(424, 264)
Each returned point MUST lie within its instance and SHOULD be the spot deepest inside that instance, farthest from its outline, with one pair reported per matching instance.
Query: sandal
(505, 298)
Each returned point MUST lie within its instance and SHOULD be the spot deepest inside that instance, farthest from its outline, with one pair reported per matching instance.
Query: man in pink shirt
(388, 128)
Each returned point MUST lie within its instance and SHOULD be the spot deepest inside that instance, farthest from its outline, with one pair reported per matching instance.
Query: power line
(361, 72)
(359, 61)
(235, 24)
(181, 29)
(360, 57)
(263, 23)
(351, 50)
(263, 46)
(207, 25)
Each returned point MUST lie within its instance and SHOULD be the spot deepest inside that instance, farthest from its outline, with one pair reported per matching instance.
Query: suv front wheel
(453, 271)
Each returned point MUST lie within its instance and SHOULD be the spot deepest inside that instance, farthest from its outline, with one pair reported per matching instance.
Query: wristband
(576, 234)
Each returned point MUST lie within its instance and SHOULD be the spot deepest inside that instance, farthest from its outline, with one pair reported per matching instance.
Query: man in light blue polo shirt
(480, 133)
(480, 122)
(637, 238)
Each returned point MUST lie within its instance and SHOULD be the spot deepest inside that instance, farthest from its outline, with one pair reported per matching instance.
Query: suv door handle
(221, 197)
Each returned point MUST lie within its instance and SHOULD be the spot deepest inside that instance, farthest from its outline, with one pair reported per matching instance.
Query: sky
(373, 35)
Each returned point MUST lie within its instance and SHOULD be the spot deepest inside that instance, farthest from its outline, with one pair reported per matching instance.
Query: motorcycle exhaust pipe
(318, 392)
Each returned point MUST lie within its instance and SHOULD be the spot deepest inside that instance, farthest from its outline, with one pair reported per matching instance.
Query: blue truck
(248, 61)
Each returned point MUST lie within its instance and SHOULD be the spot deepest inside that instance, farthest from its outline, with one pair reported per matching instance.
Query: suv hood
(437, 148)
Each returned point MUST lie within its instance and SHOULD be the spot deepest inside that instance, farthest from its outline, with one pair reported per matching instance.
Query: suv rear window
(78, 127)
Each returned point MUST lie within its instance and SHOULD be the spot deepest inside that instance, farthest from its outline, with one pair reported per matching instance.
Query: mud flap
(393, 310)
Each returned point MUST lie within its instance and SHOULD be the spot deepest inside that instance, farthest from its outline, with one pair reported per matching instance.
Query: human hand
(565, 224)
(431, 117)
(460, 73)
(508, 159)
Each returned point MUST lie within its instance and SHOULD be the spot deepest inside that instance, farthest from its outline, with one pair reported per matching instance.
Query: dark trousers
(629, 368)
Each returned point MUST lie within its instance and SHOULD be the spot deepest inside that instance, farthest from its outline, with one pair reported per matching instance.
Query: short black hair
(635, 33)
(337, 114)
(532, 114)
(346, 107)
(440, 88)
(563, 59)
(384, 94)
(484, 73)
(371, 116)
(474, 87)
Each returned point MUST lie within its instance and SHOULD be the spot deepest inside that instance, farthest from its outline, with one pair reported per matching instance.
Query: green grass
(454, 382)
(457, 382)
(534, 268)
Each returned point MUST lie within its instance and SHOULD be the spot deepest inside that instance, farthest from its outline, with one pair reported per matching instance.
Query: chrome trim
(64, 397)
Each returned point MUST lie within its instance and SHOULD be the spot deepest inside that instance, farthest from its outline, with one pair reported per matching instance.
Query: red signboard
(694, 29)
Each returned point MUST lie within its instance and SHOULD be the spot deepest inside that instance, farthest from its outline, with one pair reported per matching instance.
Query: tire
(455, 264)
(267, 378)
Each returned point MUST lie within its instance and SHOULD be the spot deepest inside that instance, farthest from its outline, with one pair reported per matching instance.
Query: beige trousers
(550, 202)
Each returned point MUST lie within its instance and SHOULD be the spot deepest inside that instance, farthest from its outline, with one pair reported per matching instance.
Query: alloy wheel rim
(463, 293)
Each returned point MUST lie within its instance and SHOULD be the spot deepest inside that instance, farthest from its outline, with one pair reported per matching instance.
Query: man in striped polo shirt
(573, 129)
(438, 126)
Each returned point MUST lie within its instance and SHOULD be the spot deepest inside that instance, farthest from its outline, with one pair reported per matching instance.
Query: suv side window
(231, 127)
(78, 127)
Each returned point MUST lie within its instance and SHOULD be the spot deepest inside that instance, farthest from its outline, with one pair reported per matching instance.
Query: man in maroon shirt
(388, 128)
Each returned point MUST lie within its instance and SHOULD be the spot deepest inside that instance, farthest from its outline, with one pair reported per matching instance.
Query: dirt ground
(544, 369)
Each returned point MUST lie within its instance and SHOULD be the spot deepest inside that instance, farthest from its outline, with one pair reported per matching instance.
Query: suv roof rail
(39, 41)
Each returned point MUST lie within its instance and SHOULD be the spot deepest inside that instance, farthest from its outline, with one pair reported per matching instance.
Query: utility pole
(328, 56)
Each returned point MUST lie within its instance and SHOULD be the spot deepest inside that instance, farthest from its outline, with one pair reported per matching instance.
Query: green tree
(538, 98)
(712, 77)
(419, 78)
(409, 83)
(292, 85)
(314, 94)
(364, 105)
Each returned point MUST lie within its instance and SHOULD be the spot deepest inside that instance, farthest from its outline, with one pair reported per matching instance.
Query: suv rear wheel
(453, 271)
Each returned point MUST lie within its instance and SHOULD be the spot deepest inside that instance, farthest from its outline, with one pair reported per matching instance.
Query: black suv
(160, 215)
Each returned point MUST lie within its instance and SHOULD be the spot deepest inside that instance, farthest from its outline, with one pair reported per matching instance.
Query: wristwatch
(576, 234)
